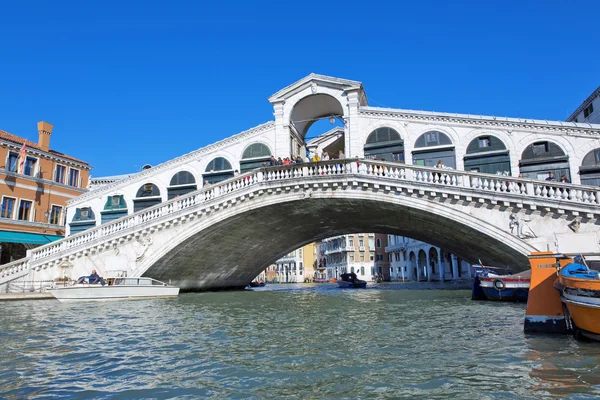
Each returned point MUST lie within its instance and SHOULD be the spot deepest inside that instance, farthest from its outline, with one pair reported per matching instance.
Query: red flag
(21, 159)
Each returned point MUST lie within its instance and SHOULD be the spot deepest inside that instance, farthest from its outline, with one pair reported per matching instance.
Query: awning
(27, 238)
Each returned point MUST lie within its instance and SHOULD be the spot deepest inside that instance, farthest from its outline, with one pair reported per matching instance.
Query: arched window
(539, 159)
(378, 243)
(182, 182)
(434, 146)
(487, 154)
(253, 157)
(114, 208)
(589, 171)
(217, 170)
(362, 271)
(148, 195)
(83, 219)
(384, 143)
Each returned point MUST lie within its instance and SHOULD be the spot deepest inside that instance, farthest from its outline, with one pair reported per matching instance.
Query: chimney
(44, 130)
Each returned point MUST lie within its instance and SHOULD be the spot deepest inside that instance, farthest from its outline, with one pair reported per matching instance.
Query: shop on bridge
(432, 147)
(589, 171)
(217, 170)
(148, 195)
(541, 158)
(487, 154)
(181, 183)
(384, 144)
(83, 219)
(114, 208)
(254, 156)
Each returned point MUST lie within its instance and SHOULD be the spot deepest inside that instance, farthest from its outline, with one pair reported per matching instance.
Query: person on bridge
(551, 177)
(564, 179)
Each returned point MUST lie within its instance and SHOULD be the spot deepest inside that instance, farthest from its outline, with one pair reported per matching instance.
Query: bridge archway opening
(254, 156)
(589, 171)
(323, 115)
(384, 144)
(217, 170)
(539, 159)
(487, 154)
(181, 183)
(147, 195)
(432, 147)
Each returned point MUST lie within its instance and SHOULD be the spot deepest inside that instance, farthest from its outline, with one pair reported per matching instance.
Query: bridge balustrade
(425, 176)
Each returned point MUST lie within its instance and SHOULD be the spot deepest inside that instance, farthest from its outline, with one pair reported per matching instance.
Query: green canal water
(289, 342)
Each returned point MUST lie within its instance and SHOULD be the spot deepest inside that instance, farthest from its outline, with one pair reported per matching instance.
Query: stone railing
(14, 270)
(567, 194)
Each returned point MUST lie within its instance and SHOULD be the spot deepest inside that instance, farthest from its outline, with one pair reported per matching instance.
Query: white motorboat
(122, 288)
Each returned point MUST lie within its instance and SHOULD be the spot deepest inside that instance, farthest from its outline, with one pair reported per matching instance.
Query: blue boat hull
(507, 294)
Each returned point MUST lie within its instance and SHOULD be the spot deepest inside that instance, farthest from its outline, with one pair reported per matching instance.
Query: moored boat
(513, 287)
(579, 288)
(119, 288)
(350, 280)
(257, 284)
(479, 271)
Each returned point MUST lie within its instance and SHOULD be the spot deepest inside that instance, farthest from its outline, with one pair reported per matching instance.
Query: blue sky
(127, 83)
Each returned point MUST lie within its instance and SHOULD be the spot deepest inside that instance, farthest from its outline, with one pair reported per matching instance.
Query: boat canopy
(576, 270)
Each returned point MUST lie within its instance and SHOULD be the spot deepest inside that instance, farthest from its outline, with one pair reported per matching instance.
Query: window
(25, 210)
(218, 164)
(588, 110)
(55, 215)
(484, 142)
(371, 256)
(362, 270)
(398, 157)
(431, 137)
(361, 242)
(59, 173)
(74, 177)
(597, 156)
(378, 243)
(351, 240)
(182, 178)
(30, 164)
(11, 163)
(370, 242)
(85, 212)
(540, 148)
(8, 205)
(351, 257)
(362, 257)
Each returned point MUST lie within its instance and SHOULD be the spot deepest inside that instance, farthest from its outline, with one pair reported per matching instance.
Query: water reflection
(289, 342)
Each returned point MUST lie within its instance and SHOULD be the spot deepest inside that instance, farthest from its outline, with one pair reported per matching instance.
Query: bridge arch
(249, 238)
(589, 170)
(147, 195)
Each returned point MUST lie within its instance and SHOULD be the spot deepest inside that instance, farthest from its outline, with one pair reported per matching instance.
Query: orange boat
(579, 289)
(333, 280)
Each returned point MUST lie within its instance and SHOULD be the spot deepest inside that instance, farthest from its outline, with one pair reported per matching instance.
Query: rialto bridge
(193, 221)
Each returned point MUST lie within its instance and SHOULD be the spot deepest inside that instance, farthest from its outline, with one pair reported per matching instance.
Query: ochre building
(36, 184)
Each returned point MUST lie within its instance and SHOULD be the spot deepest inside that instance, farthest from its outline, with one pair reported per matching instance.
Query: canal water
(289, 342)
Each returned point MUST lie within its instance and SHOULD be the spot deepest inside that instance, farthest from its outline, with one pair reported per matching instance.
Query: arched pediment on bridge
(488, 154)
(543, 157)
(217, 170)
(147, 195)
(115, 207)
(254, 155)
(182, 182)
(433, 146)
(384, 143)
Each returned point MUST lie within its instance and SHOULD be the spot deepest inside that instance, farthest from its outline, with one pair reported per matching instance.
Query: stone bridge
(224, 234)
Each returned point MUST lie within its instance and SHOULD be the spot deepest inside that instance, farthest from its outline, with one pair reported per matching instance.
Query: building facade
(348, 253)
(295, 267)
(38, 182)
(589, 111)
(413, 260)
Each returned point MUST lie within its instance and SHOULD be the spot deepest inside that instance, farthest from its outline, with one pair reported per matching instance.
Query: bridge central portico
(224, 235)
(195, 221)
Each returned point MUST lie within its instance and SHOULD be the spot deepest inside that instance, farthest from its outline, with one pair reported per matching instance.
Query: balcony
(361, 248)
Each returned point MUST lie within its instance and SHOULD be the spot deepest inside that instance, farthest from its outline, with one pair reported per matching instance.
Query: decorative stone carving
(575, 225)
(313, 88)
(519, 227)
(141, 247)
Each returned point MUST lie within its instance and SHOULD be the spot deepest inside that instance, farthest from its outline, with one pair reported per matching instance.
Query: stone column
(441, 265)
(404, 266)
(454, 266)
(428, 265)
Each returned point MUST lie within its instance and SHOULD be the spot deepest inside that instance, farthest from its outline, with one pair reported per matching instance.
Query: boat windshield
(134, 282)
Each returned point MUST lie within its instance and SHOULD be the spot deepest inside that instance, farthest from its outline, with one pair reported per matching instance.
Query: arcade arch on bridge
(542, 157)
(384, 144)
(83, 219)
(115, 207)
(487, 154)
(254, 156)
(181, 183)
(589, 171)
(147, 195)
(433, 146)
(217, 170)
